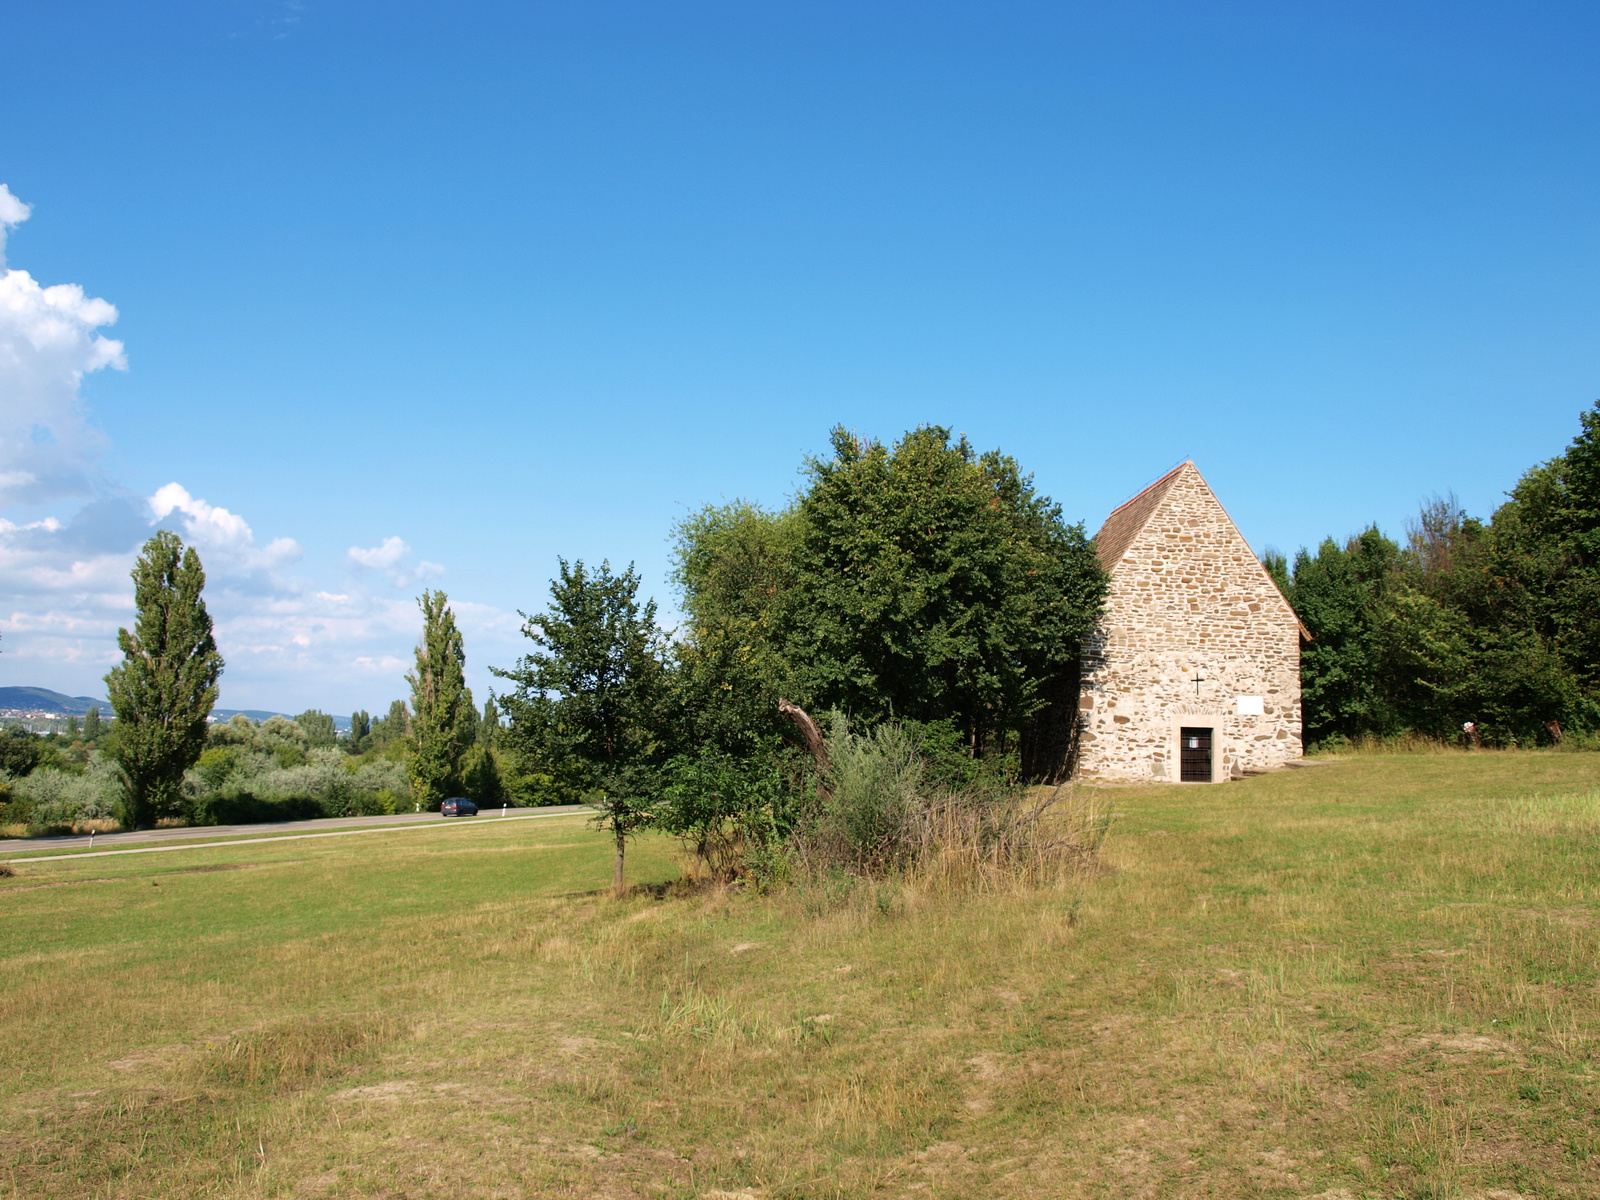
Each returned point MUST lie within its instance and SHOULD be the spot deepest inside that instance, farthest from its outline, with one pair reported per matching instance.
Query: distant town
(41, 710)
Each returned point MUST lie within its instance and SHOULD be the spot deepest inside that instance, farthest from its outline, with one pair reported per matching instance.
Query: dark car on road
(458, 806)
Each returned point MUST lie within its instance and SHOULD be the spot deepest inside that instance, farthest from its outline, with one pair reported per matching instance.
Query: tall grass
(886, 810)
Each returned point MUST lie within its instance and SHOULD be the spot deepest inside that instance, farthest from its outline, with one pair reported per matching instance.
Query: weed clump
(295, 1053)
(890, 810)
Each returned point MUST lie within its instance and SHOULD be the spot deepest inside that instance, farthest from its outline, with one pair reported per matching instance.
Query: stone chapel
(1193, 675)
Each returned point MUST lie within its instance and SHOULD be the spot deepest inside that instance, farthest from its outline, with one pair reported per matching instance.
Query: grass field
(1374, 977)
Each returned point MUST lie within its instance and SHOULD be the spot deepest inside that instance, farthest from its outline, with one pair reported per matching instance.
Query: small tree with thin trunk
(165, 687)
(438, 699)
(588, 701)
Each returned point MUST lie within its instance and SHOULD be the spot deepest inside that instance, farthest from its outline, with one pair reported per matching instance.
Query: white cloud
(48, 343)
(390, 557)
(220, 534)
(64, 576)
(13, 212)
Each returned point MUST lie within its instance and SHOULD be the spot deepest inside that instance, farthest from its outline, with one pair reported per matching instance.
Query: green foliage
(272, 772)
(440, 705)
(20, 750)
(589, 701)
(483, 781)
(93, 727)
(318, 728)
(932, 583)
(921, 581)
(166, 685)
(13, 809)
(731, 812)
(1497, 624)
(359, 739)
(1339, 595)
(733, 567)
(392, 728)
(57, 800)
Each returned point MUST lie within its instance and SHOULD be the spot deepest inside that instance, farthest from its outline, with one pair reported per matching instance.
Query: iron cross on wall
(1197, 681)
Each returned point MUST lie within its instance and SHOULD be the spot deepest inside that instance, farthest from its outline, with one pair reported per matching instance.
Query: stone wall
(1189, 602)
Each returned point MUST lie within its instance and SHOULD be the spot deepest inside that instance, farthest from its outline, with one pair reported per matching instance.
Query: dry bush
(886, 813)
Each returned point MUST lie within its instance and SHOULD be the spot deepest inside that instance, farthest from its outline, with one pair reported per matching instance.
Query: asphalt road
(113, 841)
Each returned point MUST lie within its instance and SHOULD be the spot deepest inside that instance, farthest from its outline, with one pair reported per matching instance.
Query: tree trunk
(812, 736)
(616, 870)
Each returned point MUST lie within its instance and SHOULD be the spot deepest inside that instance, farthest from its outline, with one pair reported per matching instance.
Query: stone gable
(1195, 636)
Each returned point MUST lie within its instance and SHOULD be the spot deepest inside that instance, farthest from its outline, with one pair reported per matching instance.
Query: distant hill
(32, 699)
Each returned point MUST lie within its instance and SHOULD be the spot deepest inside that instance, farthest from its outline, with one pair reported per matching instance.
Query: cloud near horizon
(69, 535)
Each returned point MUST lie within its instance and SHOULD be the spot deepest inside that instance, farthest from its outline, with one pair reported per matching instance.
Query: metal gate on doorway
(1194, 755)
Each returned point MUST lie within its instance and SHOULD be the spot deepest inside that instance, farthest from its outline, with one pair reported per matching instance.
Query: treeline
(1482, 631)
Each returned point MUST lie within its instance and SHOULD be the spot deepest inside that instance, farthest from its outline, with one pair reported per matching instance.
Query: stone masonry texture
(1195, 633)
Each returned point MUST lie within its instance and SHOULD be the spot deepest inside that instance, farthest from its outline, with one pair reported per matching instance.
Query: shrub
(257, 773)
(731, 813)
(59, 800)
(886, 809)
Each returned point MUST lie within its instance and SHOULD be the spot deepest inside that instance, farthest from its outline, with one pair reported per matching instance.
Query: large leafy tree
(734, 568)
(934, 583)
(921, 580)
(166, 685)
(588, 701)
(440, 704)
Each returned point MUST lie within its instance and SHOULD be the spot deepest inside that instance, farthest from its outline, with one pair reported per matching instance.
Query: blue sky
(507, 282)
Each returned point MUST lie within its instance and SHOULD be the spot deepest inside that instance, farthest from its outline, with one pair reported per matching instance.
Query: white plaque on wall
(1249, 706)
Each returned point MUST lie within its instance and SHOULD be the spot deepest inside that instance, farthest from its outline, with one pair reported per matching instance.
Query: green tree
(359, 738)
(438, 697)
(734, 570)
(319, 728)
(20, 750)
(1497, 623)
(934, 583)
(1339, 593)
(727, 810)
(166, 685)
(93, 727)
(921, 581)
(588, 701)
(482, 779)
(392, 728)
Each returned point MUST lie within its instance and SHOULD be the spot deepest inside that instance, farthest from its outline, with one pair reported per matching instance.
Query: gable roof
(1128, 518)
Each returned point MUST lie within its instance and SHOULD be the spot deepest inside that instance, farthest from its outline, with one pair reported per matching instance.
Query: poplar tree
(165, 687)
(438, 699)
